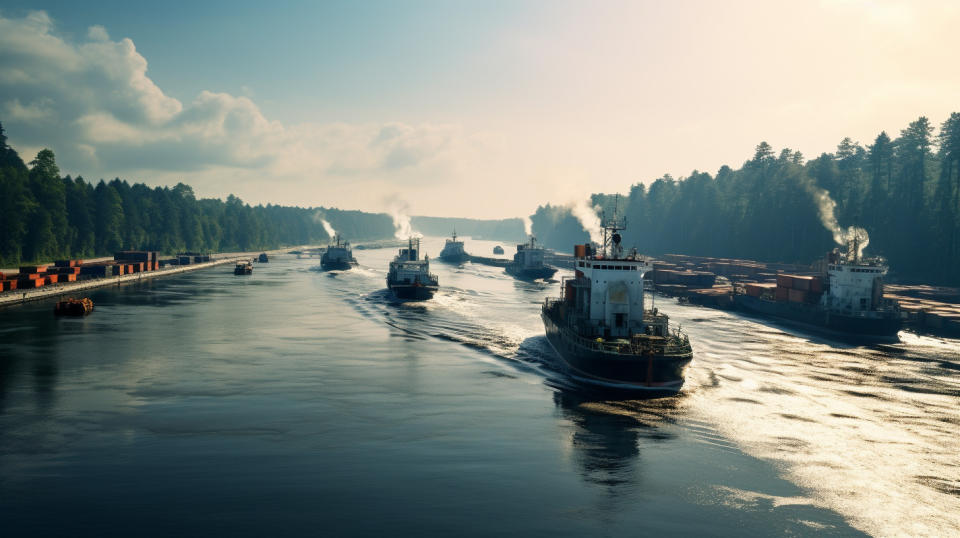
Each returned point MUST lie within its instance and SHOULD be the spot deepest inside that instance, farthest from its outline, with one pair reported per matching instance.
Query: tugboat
(73, 307)
(602, 331)
(453, 251)
(498, 249)
(338, 255)
(409, 277)
(528, 262)
(844, 299)
(243, 268)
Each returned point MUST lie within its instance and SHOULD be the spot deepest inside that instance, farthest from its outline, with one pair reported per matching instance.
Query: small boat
(498, 249)
(73, 307)
(263, 258)
(453, 251)
(409, 276)
(528, 262)
(338, 255)
(243, 268)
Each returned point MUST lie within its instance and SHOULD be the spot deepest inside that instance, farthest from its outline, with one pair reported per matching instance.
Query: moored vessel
(528, 262)
(243, 268)
(498, 249)
(601, 329)
(844, 299)
(409, 276)
(338, 255)
(453, 251)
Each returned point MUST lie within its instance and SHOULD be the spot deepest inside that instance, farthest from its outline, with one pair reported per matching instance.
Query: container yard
(709, 282)
(34, 282)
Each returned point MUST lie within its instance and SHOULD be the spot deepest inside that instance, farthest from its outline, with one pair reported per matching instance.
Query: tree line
(904, 191)
(44, 217)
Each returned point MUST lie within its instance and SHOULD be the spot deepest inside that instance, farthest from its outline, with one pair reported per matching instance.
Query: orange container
(51, 279)
(579, 251)
(68, 278)
(7, 285)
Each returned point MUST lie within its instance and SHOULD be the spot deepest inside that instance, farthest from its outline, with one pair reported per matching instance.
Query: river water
(294, 401)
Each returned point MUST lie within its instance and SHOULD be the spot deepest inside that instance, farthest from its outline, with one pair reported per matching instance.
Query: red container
(816, 285)
(798, 296)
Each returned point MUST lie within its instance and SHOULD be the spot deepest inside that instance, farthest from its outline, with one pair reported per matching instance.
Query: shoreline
(18, 297)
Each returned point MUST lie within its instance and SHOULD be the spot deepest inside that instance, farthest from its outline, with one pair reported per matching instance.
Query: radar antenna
(611, 232)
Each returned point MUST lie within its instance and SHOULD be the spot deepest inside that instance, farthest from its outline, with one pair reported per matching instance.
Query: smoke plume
(399, 210)
(527, 226)
(318, 216)
(588, 218)
(827, 209)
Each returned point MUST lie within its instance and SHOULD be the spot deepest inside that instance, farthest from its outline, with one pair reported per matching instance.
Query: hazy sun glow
(479, 110)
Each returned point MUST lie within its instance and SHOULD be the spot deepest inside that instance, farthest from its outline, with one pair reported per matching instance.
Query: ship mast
(611, 232)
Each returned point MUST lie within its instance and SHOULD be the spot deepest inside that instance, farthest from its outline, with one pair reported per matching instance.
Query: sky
(458, 108)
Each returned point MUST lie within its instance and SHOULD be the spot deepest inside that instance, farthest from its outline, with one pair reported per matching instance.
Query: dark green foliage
(903, 192)
(45, 217)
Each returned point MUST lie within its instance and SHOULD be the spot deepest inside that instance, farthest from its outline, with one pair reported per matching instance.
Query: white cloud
(94, 103)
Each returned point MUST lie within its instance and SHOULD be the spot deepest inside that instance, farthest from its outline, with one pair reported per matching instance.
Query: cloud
(93, 102)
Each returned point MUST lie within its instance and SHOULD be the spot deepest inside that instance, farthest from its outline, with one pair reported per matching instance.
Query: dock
(21, 296)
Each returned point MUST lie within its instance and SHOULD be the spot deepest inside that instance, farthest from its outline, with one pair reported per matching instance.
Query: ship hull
(337, 265)
(531, 274)
(454, 258)
(620, 371)
(412, 291)
(879, 329)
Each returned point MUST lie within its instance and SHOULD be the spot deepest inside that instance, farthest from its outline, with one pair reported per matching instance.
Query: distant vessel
(73, 307)
(409, 277)
(338, 255)
(602, 331)
(243, 268)
(528, 262)
(453, 251)
(498, 249)
(845, 298)
(263, 258)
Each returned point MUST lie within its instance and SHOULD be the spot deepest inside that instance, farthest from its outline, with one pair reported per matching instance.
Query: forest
(44, 217)
(904, 191)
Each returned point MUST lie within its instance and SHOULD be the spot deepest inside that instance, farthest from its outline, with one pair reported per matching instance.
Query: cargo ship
(528, 262)
(243, 268)
(845, 298)
(601, 329)
(453, 251)
(409, 277)
(339, 255)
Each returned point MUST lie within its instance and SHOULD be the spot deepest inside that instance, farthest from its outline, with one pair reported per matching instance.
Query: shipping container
(8, 285)
(782, 294)
(30, 269)
(27, 283)
(797, 296)
(51, 278)
(785, 281)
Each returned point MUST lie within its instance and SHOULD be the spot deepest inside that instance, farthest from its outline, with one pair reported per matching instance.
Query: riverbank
(64, 289)
(17, 297)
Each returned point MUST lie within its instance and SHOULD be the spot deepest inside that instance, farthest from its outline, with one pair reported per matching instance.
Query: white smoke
(527, 226)
(588, 218)
(318, 216)
(827, 209)
(400, 212)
